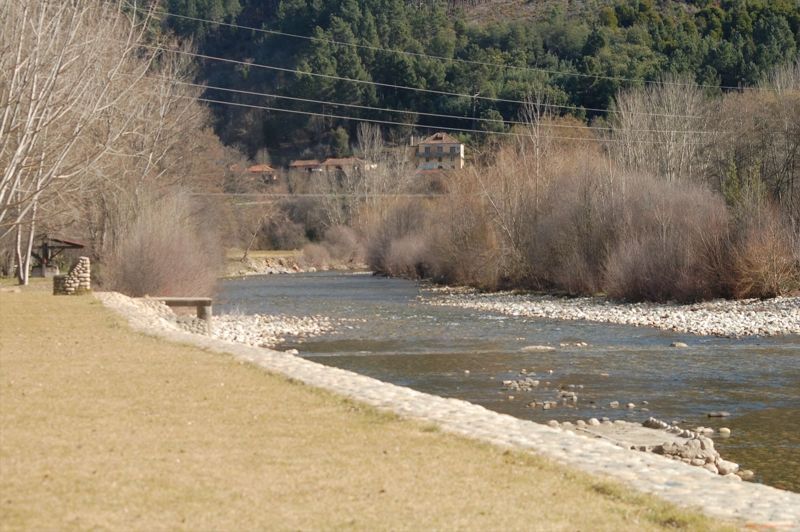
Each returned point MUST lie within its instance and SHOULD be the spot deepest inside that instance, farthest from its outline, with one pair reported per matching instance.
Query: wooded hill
(569, 53)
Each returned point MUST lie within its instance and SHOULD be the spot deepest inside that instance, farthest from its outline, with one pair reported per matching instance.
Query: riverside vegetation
(686, 189)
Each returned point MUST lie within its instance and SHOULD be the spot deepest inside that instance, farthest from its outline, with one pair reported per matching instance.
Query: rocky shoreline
(258, 330)
(283, 265)
(750, 317)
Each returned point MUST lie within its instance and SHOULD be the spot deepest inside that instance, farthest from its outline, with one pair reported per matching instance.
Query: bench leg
(204, 313)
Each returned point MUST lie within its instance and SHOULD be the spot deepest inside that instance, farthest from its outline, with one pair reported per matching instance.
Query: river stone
(613, 404)
(745, 474)
(678, 344)
(553, 423)
(724, 432)
(594, 421)
(726, 468)
(718, 414)
(712, 468)
(537, 349)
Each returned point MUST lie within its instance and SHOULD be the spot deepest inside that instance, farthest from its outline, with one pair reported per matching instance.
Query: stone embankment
(257, 330)
(717, 495)
(750, 317)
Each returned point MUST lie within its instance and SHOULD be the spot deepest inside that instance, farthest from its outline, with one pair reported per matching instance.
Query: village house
(265, 171)
(347, 164)
(440, 151)
(306, 165)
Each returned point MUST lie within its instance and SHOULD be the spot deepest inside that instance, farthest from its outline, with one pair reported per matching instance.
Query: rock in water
(725, 467)
(537, 349)
(678, 344)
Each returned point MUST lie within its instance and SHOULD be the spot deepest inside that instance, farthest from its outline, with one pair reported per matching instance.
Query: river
(386, 331)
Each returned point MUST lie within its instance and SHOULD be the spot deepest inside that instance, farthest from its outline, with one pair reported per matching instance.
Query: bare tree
(61, 77)
(662, 129)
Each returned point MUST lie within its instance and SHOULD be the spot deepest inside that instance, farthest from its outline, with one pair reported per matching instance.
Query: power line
(422, 126)
(422, 113)
(443, 58)
(393, 86)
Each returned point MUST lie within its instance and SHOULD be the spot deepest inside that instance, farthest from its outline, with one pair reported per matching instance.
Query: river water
(386, 331)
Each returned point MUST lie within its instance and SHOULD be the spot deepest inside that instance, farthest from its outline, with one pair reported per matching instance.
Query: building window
(453, 149)
(427, 150)
(440, 159)
(439, 149)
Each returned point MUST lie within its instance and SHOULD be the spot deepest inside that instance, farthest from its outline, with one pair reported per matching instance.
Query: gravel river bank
(750, 317)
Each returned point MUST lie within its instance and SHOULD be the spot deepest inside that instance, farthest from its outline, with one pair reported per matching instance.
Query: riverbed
(385, 328)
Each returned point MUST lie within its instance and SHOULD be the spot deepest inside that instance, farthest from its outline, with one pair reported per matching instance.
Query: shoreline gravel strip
(748, 317)
(673, 481)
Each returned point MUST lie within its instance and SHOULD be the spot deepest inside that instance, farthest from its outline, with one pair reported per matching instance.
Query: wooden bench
(202, 304)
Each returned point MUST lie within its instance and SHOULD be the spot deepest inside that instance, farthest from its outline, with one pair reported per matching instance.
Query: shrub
(404, 219)
(406, 257)
(765, 259)
(344, 245)
(166, 251)
(282, 233)
(673, 245)
(315, 255)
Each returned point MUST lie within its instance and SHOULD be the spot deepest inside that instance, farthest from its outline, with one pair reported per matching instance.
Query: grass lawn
(102, 427)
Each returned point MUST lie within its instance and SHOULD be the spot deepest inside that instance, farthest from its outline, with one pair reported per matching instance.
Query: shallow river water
(386, 331)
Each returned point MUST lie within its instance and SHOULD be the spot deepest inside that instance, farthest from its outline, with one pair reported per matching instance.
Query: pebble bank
(750, 317)
(725, 496)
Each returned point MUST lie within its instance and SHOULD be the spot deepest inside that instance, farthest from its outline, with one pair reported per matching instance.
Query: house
(440, 151)
(305, 165)
(266, 172)
(347, 164)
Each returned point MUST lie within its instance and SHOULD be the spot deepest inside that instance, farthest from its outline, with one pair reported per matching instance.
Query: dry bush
(316, 256)
(765, 259)
(673, 245)
(279, 232)
(406, 257)
(568, 239)
(344, 245)
(464, 247)
(402, 219)
(166, 252)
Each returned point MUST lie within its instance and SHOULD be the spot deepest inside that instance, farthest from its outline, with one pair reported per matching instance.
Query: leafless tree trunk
(64, 68)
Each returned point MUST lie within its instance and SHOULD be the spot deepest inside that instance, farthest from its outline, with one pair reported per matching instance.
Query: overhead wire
(423, 113)
(424, 126)
(401, 87)
(440, 57)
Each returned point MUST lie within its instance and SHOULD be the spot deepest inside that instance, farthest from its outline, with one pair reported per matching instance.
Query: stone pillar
(77, 281)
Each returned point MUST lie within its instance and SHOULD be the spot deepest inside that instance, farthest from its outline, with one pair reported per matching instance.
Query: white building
(440, 151)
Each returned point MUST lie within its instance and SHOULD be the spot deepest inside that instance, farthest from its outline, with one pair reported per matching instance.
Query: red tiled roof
(260, 169)
(345, 161)
(440, 138)
(304, 163)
